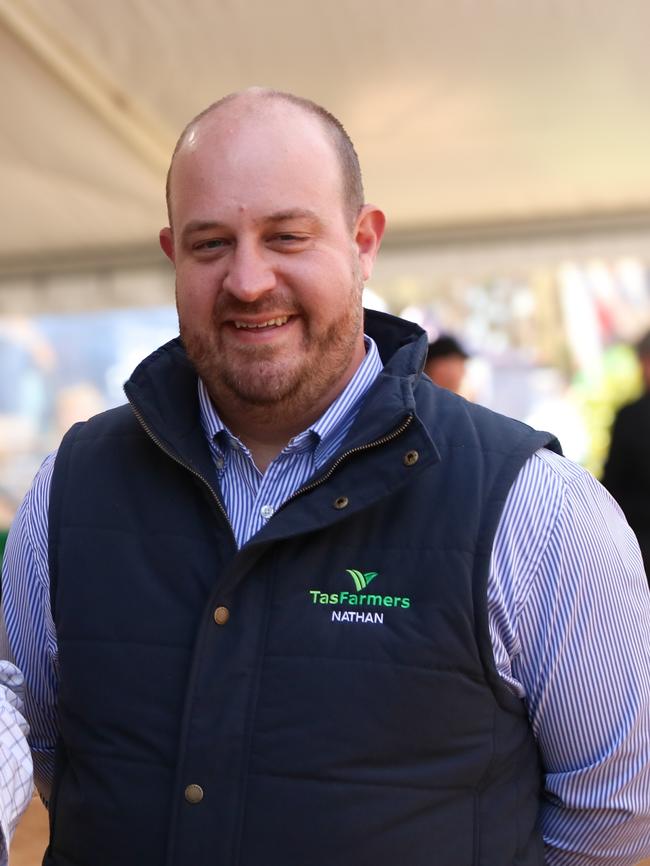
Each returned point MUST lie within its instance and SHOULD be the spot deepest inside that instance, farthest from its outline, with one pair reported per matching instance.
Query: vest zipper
(182, 463)
(374, 444)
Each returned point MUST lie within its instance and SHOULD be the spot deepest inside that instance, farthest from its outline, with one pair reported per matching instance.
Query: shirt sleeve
(570, 622)
(15, 759)
(29, 630)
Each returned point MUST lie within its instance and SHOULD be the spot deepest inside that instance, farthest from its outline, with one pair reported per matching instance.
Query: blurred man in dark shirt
(627, 470)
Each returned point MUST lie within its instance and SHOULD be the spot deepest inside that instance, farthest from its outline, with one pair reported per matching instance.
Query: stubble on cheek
(257, 374)
(287, 377)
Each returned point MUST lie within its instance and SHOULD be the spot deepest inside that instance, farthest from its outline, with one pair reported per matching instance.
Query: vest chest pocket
(384, 606)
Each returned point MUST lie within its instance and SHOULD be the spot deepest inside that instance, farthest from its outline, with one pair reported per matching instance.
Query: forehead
(265, 156)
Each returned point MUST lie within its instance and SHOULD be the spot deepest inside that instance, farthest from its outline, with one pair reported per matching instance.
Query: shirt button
(194, 794)
(221, 615)
(266, 511)
(219, 462)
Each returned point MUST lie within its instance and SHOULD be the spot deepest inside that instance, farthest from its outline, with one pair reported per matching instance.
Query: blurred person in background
(446, 362)
(627, 469)
(293, 605)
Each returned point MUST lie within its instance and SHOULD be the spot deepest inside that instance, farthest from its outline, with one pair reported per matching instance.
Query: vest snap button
(194, 794)
(221, 615)
(411, 458)
(341, 502)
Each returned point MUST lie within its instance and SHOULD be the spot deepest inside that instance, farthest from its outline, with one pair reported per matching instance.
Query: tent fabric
(468, 113)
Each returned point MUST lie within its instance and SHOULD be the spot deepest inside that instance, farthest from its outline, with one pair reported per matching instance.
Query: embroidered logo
(361, 579)
(359, 599)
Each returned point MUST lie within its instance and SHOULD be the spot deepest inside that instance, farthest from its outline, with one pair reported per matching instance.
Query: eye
(289, 239)
(210, 244)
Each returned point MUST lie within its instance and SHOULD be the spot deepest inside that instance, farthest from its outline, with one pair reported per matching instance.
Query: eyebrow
(200, 226)
(277, 217)
(292, 214)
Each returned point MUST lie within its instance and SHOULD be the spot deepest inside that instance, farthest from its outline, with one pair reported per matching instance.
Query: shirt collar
(330, 427)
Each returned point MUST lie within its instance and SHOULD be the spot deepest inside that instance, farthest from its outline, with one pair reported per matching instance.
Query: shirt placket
(270, 494)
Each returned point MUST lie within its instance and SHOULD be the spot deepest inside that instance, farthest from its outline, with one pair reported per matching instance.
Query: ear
(167, 242)
(369, 231)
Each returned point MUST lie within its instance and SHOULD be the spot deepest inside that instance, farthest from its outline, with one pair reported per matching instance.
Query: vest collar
(163, 391)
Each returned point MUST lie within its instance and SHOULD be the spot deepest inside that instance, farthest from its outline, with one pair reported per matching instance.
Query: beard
(271, 379)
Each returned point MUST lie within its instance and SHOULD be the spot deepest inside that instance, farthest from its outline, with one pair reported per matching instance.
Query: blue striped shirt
(569, 618)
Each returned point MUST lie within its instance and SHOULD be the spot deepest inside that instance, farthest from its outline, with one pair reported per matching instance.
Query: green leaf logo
(361, 579)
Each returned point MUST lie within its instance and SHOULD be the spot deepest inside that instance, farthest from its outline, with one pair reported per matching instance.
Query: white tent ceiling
(466, 115)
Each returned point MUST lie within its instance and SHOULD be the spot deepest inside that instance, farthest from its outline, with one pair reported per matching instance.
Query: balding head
(255, 100)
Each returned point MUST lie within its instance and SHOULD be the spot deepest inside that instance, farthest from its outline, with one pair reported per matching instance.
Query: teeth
(281, 320)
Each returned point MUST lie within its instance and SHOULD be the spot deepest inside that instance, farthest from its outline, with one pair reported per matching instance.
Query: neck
(266, 430)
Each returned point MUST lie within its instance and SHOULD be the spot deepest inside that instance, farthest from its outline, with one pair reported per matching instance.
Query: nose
(249, 273)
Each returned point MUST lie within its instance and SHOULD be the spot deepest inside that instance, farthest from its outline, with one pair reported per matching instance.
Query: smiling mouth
(270, 323)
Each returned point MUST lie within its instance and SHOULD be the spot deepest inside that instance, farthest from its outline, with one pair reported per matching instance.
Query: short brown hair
(353, 196)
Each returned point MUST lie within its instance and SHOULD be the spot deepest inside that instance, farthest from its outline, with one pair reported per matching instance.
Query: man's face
(269, 271)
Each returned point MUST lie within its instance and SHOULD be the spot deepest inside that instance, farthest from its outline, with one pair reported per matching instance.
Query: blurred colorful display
(552, 349)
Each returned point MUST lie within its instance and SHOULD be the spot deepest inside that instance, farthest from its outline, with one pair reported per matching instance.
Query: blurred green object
(3, 540)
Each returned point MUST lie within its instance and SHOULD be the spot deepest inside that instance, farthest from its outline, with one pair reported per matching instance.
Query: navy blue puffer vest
(327, 695)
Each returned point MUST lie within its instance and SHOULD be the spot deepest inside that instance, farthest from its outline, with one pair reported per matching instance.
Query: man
(445, 364)
(627, 470)
(306, 607)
